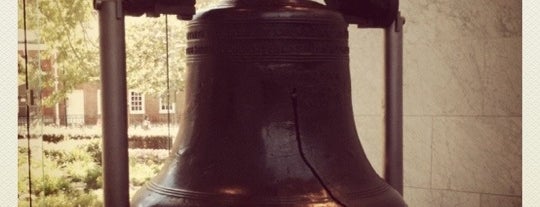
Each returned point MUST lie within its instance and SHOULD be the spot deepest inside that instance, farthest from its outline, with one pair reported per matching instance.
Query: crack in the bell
(301, 150)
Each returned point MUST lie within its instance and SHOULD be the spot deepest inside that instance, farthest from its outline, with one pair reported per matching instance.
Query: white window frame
(131, 102)
(163, 106)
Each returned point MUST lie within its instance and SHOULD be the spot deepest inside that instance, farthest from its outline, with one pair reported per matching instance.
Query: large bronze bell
(268, 118)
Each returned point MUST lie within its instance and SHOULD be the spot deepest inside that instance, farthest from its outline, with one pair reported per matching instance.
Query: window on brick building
(136, 102)
(165, 107)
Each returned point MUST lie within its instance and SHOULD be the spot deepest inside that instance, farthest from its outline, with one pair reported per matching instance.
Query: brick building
(83, 105)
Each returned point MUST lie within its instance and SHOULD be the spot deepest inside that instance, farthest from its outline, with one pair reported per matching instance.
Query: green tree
(147, 54)
(64, 28)
(69, 31)
(146, 44)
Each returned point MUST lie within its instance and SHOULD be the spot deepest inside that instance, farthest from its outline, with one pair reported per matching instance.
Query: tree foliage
(146, 58)
(69, 31)
(63, 28)
(150, 42)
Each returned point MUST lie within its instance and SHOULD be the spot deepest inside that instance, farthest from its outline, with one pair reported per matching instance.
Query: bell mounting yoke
(364, 13)
(183, 9)
(367, 13)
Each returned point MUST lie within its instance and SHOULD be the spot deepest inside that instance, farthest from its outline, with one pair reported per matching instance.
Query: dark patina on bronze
(268, 118)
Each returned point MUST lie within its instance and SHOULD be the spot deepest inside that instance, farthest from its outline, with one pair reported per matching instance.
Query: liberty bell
(268, 118)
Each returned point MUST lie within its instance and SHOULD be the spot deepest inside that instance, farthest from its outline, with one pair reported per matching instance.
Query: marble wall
(462, 101)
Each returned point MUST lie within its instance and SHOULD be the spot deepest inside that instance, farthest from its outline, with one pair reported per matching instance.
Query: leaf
(69, 30)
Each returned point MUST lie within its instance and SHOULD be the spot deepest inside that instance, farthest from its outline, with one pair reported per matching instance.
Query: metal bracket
(97, 4)
(119, 10)
(366, 13)
(400, 21)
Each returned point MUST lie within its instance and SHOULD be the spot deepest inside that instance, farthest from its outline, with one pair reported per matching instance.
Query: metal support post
(114, 102)
(394, 104)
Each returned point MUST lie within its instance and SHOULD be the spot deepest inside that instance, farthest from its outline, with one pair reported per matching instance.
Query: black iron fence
(85, 120)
